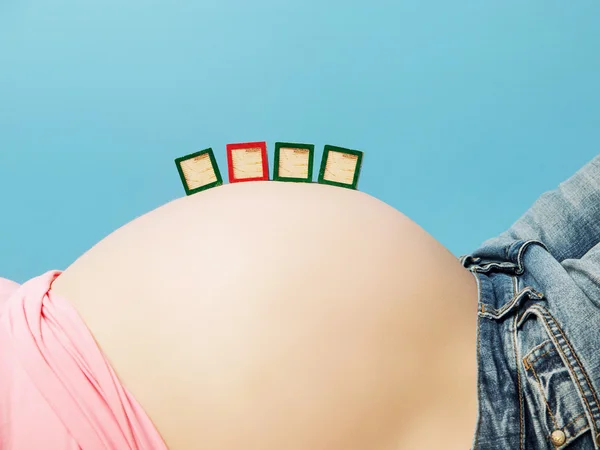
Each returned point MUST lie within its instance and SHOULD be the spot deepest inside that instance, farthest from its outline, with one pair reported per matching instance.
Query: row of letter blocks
(249, 162)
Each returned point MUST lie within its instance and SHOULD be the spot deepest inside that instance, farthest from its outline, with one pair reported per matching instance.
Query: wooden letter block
(199, 171)
(340, 167)
(293, 162)
(247, 162)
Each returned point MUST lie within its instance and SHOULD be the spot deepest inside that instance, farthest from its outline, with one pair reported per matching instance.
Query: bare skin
(270, 316)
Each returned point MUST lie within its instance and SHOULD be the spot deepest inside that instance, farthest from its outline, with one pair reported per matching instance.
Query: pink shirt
(57, 390)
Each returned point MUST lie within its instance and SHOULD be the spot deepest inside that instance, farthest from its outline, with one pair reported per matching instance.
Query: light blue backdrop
(466, 110)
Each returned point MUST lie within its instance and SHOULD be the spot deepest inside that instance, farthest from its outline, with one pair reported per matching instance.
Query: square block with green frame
(199, 171)
(293, 162)
(340, 167)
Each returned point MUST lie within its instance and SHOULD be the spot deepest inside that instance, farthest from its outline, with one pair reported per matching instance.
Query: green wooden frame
(311, 158)
(326, 151)
(213, 161)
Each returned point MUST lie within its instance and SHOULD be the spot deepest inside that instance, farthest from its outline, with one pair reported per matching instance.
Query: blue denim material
(538, 336)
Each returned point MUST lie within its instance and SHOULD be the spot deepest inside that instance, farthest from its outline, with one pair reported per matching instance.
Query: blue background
(466, 110)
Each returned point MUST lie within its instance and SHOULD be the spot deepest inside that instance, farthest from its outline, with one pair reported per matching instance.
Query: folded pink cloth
(57, 389)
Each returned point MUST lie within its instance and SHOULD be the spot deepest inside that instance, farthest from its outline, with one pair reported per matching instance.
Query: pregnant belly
(269, 316)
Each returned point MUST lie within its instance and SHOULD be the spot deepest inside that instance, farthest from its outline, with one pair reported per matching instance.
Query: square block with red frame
(247, 162)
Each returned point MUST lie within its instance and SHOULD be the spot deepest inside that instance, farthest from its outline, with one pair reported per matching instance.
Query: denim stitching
(571, 436)
(544, 397)
(584, 373)
(552, 350)
(534, 349)
(521, 406)
(498, 313)
(544, 315)
(575, 433)
(516, 267)
(478, 424)
(494, 265)
(585, 425)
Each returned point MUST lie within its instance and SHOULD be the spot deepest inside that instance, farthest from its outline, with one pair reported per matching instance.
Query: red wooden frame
(240, 146)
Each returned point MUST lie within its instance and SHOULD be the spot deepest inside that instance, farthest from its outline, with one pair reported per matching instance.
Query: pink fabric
(7, 287)
(57, 390)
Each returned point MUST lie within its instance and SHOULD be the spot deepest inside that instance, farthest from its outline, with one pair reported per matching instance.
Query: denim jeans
(538, 337)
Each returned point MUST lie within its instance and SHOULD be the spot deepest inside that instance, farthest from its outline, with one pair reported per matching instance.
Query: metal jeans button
(558, 438)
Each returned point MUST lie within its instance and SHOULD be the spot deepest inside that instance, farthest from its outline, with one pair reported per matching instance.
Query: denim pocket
(561, 398)
(555, 395)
